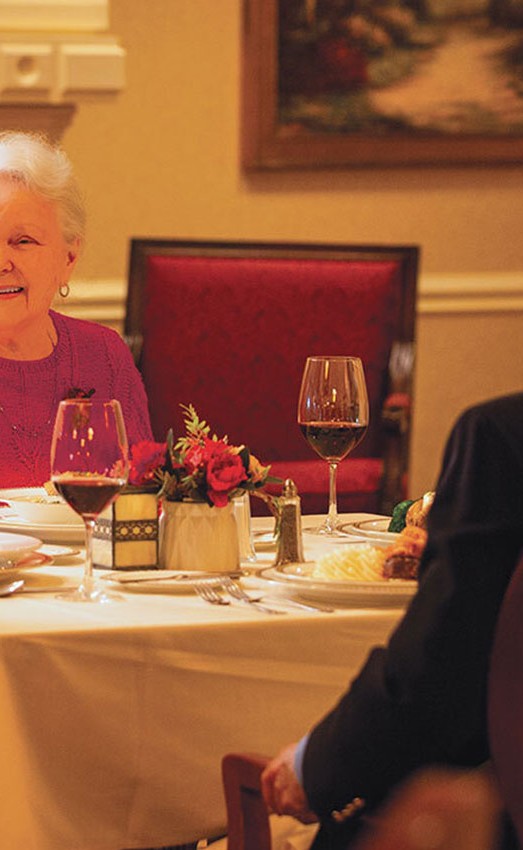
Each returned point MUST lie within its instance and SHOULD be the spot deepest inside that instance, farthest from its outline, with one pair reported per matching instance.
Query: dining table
(114, 717)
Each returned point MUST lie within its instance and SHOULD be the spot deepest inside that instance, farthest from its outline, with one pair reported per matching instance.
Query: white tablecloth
(114, 719)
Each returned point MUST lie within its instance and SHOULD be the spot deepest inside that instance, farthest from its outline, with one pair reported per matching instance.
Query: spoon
(12, 587)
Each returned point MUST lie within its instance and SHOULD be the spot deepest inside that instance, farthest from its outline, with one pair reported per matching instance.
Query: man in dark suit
(422, 699)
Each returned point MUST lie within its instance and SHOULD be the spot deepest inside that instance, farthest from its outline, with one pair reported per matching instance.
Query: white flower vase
(194, 536)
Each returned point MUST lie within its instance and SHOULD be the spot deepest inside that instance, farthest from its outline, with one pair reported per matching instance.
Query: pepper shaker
(290, 541)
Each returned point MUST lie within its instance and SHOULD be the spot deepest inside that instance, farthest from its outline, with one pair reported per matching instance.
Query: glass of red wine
(333, 414)
(89, 467)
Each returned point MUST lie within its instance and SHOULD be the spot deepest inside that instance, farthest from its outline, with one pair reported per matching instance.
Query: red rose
(224, 472)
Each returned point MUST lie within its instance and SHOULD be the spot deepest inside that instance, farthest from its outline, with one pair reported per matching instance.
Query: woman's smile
(10, 291)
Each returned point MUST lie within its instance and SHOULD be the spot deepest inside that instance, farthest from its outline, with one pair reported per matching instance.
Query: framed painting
(331, 83)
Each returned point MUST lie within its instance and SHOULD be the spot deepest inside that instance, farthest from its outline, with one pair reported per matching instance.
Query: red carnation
(198, 455)
(146, 458)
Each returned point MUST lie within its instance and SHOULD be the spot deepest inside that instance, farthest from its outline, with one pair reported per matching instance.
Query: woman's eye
(24, 240)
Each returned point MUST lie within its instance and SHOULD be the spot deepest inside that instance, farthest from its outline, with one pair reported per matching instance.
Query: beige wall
(162, 159)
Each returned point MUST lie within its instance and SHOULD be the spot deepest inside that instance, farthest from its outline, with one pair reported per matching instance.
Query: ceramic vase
(195, 536)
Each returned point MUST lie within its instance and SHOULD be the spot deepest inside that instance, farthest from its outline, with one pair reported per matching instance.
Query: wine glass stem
(332, 517)
(87, 580)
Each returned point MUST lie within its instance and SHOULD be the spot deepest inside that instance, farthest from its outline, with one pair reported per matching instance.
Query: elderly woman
(44, 355)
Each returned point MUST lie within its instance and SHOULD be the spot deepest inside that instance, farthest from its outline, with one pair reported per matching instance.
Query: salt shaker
(290, 542)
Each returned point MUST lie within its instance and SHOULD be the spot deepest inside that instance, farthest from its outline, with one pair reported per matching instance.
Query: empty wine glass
(89, 467)
(333, 414)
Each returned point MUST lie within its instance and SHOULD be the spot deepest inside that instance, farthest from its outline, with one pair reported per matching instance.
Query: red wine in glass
(333, 440)
(89, 467)
(333, 414)
(88, 496)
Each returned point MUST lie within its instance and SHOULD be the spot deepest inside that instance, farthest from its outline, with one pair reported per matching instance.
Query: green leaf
(245, 457)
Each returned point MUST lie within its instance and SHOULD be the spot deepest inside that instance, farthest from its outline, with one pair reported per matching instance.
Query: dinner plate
(46, 533)
(162, 581)
(371, 529)
(297, 577)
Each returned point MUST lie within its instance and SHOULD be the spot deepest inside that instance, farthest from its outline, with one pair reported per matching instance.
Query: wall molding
(54, 14)
(486, 292)
(496, 292)
(98, 300)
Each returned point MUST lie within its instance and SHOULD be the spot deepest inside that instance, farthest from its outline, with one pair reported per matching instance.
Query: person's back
(422, 699)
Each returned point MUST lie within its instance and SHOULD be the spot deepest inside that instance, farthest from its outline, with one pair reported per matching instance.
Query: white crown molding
(54, 14)
(499, 292)
(486, 292)
(98, 300)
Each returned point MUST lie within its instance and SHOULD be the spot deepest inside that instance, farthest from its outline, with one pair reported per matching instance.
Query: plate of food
(354, 573)
(33, 509)
(38, 506)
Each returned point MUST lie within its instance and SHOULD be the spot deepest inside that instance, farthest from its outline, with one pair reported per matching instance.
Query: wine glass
(89, 467)
(333, 414)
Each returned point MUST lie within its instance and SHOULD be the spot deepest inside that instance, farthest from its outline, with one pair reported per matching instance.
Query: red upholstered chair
(228, 326)
(506, 701)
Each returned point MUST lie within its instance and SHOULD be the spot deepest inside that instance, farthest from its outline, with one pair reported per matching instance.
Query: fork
(209, 594)
(238, 593)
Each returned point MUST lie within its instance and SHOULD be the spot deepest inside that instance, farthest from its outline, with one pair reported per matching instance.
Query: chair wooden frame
(396, 418)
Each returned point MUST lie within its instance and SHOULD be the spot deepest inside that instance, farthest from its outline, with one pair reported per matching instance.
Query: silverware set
(214, 596)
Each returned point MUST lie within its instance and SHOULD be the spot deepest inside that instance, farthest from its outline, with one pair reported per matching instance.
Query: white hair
(45, 169)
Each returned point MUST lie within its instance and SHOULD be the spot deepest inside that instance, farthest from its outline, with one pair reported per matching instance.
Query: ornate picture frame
(302, 70)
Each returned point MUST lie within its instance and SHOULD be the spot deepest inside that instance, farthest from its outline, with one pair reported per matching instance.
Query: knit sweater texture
(86, 356)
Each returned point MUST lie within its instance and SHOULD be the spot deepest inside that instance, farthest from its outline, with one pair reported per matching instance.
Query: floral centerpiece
(197, 477)
(199, 467)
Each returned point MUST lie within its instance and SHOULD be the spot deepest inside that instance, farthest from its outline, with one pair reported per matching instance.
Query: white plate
(16, 546)
(371, 529)
(24, 551)
(36, 506)
(161, 581)
(265, 541)
(46, 533)
(58, 553)
(297, 578)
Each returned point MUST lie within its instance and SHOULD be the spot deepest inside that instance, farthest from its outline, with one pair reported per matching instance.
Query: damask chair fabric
(228, 327)
(506, 701)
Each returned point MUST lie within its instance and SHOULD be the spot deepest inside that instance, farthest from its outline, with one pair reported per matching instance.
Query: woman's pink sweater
(87, 356)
